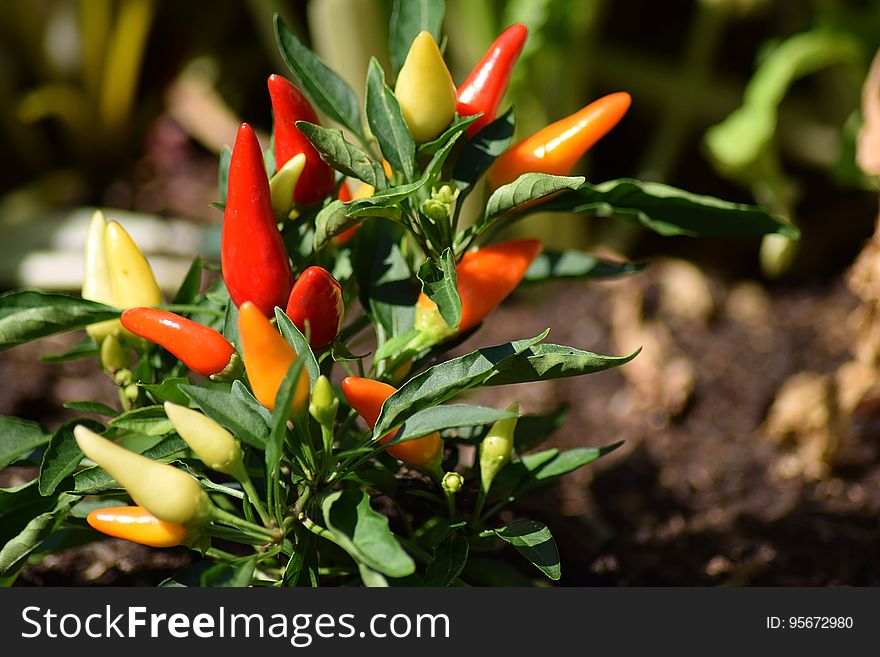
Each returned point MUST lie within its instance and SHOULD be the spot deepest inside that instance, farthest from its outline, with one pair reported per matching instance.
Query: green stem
(254, 498)
(255, 531)
(450, 503)
(478, 506)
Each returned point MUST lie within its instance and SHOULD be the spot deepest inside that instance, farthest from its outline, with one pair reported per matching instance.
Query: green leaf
(384, 279)
(553, 361)
(97, 408)
(385, 199)
(555, 265)
(18, 438)
(479, 153)
(298, 341)
(387, 124)
(283, 400)
(526, 189)
(303, 564)
(340, 353)
(330, 222)
(148, 421)
(96, 480)
(223, 172)
(26, 315)
(408, 19)
(232, 412)
(188, 291)
(450, 558)
(437, 418)
(168, 390)
(395, 344)
(365, 534)
(227, 575)
(62, 455)
(459, 125)
(343, 156)
(230, 325)
(534, 541)
(539, 469)
(531, 430)
(445, 380)
(322, 85)
(670, 211)
(85, 348)
(240, 391)
(440, 285)
(16, 550)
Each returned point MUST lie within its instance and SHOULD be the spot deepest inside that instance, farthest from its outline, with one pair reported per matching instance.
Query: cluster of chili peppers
(257, 272)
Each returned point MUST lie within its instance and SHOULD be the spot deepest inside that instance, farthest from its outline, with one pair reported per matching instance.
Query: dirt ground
(698, 495)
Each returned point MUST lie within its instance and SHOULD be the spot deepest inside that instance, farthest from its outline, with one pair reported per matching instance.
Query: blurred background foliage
(126, 103)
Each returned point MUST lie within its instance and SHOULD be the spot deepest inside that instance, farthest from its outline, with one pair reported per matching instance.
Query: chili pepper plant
(295, 415)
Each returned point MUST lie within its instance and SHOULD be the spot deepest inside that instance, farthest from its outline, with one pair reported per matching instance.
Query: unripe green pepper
(324, 403)
(214, 445)
(496, 448)
(163, 490)
(425, 90)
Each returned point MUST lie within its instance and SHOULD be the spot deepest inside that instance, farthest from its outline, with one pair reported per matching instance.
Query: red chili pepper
(202, 349)
(366, 397)
(252, 255)
(556, 148)
(289, 106)
(485, 86)
(316, 306)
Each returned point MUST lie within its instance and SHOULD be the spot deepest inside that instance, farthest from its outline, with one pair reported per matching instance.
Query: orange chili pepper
(556, 148)
(267, 358)
(136, 524)
(485, 278)
(366, 397)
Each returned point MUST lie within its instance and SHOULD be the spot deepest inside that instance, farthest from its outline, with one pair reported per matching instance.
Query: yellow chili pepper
(166, 492)
(425, 89)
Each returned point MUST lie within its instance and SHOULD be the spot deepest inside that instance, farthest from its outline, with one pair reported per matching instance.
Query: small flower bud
(452, 482)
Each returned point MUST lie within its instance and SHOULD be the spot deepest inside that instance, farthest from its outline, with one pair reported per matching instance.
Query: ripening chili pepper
(316, 306)
(214, 445)
(136, 524)
(485, 86)
(486, 277)
(425, 89)
(252, 255)
(366, 397)
(200, 348)
(282, 184)
(96, 277)
(166, 492)
(267, 358)
(496, 448)
(289, 106)
(556, 148)
(130, 274)
(345, 195)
